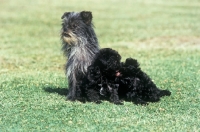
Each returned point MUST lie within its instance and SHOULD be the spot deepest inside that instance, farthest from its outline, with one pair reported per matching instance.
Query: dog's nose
(66, 34)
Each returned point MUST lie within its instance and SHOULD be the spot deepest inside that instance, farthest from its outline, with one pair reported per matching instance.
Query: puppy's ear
(66, 14)
(87, 17)
(132, 62)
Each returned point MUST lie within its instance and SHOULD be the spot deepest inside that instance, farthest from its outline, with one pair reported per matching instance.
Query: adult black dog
(80, 44)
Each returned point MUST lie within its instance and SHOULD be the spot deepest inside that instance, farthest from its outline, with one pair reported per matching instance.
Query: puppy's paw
(140, 102)
(118, 103)
(165, 93)
(98, 102)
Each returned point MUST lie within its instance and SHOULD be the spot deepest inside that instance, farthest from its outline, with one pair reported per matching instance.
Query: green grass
(163, 35)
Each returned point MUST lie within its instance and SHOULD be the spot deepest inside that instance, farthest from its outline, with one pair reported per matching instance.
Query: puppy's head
(132, 62)
(108, 61)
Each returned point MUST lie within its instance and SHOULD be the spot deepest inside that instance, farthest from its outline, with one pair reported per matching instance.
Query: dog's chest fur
(79, 58)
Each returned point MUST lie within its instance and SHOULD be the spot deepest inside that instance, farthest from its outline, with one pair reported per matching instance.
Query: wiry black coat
(79, 44)
(110, 79)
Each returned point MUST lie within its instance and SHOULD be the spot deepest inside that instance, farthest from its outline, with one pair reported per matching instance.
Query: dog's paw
(98, 102)
(165, 93)
(69, 98)
(83, 100)
(142, 103)
(118, 103)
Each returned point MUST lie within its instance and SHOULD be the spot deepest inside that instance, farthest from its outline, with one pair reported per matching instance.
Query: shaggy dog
(79, 44)
(108, 78)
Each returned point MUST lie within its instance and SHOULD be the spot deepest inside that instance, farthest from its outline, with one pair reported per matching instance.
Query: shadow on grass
(60, 91)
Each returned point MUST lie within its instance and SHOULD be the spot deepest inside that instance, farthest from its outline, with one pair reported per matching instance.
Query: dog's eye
(74, 25)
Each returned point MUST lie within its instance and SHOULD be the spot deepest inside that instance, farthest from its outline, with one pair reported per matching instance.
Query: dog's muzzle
(66, 34)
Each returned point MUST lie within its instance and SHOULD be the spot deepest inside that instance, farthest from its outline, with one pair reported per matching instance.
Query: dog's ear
(87, 17)
(132, 62)
(65, 15)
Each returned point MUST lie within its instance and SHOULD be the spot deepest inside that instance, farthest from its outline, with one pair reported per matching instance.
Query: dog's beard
(70, 38)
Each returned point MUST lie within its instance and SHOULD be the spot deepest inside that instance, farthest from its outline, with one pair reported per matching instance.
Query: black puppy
(101, 80)
(108, 78)
(137, 86)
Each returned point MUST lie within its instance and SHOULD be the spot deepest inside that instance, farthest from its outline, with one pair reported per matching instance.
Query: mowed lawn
(164, 36)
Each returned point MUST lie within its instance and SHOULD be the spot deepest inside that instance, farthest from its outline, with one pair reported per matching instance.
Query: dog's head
(76, 26)
(108, 61)
(130, 68)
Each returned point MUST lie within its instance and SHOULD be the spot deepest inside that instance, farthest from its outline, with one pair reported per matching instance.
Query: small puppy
(101, 80)
(136, 86)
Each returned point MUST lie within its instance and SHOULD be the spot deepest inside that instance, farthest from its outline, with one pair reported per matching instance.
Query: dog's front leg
(114, 95)
(93, 96)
